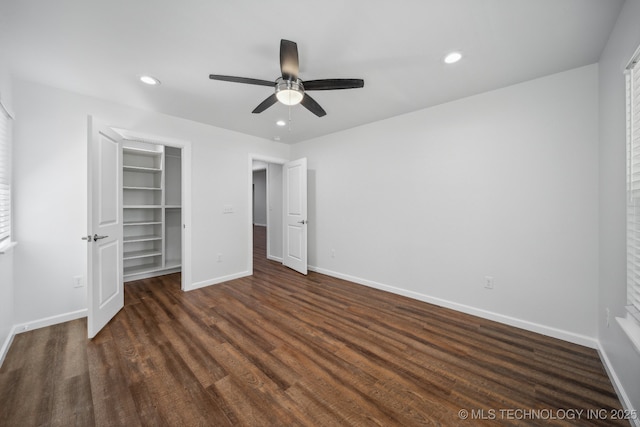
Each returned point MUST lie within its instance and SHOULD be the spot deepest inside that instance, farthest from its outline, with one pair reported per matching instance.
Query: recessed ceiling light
(276, 138)
(151, 81)
(281, 123)
(453, 57)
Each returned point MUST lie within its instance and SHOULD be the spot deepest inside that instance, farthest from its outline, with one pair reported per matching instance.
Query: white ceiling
(99, 47)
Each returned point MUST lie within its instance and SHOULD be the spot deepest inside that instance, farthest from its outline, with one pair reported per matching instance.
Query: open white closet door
(295, 215)
(105, 287)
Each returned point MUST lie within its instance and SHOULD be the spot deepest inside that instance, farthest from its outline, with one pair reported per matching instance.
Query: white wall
(502, 184)
(6, 260)
(616, 347)
(260, 197)
(51, 201)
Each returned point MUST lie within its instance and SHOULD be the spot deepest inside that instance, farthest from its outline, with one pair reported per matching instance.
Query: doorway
(155, 210)
(260, 194)
(143, 194)
(265, 199)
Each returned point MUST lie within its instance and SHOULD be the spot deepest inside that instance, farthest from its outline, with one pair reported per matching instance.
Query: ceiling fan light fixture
(289, 92)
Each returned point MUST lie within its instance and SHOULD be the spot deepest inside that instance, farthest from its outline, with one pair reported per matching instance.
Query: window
(633, 186)
(5, 177)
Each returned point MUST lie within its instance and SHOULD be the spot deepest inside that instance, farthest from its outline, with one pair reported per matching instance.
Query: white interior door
(295, 215)
(104, 238)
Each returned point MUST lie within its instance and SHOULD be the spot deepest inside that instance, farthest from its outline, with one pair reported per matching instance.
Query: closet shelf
(141, 254)
(131, 239)
(173, 264)
(134, 223)
(141, 169)
(142, 269)
(142, 188)
(142, 206)
(141, 151)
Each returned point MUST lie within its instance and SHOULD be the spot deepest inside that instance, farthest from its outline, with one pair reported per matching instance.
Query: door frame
(186, 191)
(268, 160)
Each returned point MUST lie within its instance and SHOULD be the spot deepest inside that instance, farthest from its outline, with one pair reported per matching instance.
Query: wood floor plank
(72, 399)
(278, 348)
(112, 399)
(196, 354)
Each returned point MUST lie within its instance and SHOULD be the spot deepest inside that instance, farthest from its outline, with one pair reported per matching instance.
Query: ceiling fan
(290, 89)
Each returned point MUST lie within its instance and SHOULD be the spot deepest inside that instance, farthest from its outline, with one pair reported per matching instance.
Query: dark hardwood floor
(282, 349)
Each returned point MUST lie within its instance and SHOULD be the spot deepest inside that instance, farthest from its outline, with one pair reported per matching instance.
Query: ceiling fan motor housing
(289, 91)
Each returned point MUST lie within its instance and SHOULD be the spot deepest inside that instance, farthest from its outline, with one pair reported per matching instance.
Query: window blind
(5, 175)
(633, 185)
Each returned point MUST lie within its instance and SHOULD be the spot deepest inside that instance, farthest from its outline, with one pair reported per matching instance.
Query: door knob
(87, 238)
(304, 221)
(96, 237)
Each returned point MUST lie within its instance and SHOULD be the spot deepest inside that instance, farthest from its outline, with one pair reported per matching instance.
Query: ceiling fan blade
(310, 104)
(265, 104)
(242, 80)
(289, 59)
(332, 84)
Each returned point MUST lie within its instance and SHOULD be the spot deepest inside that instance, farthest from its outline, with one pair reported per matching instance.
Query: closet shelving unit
(151, 195)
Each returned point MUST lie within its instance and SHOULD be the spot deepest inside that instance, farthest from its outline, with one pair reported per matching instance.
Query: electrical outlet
(488, 282)
(77, 282)
(608, 317)
(219, 257)
(333, 253)
(227, 209)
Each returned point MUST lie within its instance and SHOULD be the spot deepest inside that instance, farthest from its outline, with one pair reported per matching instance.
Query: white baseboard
(259, 225)
(6, 344)
(216, 280)
(485, 314)
(627, 405)
(37, 324)
(49, 321)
